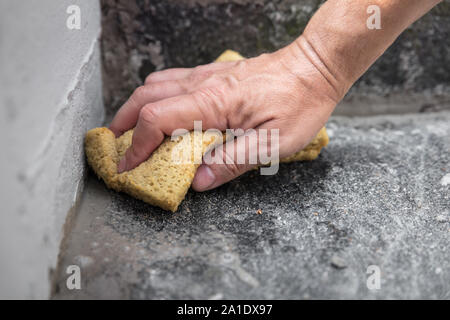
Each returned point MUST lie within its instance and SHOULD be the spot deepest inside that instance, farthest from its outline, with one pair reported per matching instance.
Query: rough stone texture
(379, 194)
(141, 36)
(50, 94)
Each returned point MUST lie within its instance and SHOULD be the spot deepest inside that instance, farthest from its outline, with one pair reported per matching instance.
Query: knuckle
(198, 74)
(230, 82)
(223, 94)
(185, 85)
(139, 93)
(230, 167)
(150, 77)
(240, 65)
(213, 96)
(148, 114)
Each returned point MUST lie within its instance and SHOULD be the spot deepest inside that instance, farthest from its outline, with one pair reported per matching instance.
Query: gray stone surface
(379, 194)
(142, 36)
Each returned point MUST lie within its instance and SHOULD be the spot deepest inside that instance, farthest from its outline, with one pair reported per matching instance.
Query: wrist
(307, 64)
(339, 42)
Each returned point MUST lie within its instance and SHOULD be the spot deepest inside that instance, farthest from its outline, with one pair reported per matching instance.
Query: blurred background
(143, 36)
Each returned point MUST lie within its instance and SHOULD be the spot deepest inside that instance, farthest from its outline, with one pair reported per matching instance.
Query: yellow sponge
(160, 180)
(229, 55)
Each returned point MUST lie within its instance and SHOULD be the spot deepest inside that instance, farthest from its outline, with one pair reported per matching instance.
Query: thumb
(235, 157)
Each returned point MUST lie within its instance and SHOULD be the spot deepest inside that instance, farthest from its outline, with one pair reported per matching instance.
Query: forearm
(338, 41)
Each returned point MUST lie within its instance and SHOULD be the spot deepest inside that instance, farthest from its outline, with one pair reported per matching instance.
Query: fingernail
(204, 178)
(122, 165)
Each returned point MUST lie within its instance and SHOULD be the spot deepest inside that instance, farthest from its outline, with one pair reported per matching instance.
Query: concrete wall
(50, 94)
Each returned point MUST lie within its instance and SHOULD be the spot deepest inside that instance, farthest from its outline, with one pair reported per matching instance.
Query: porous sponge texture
(161, 180)
(312, 150)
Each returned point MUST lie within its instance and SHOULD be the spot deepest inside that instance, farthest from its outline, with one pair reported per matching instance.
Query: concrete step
(378, 195)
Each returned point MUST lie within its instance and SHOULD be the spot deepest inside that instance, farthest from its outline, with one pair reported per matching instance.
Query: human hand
(290, 90)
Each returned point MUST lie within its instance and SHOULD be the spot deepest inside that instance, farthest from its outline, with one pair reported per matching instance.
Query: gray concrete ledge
(378, 195)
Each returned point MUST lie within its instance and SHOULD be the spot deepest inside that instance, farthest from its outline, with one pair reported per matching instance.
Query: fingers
(163, 117)
(236, 157)
(171, 100)
(145, 136)
(161, 85)
(127, 116)
(168, 75)
(182, 73)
